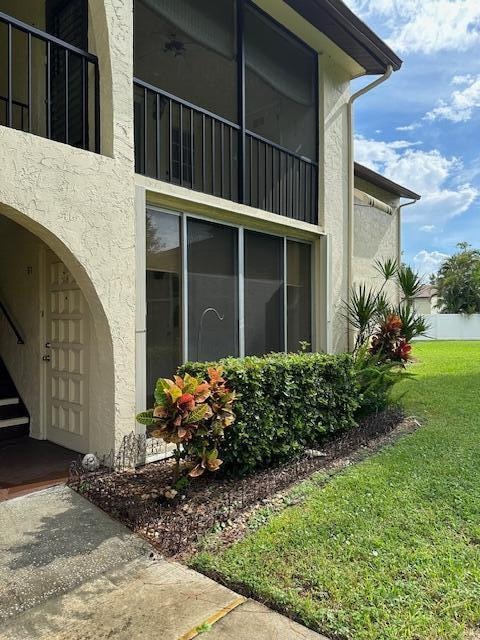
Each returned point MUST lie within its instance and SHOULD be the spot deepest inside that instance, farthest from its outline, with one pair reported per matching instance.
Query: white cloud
(461, 104)
(435, 177)
(428, 262)
(426, 26)
(409, 127)
(459, 80)
(428, 228)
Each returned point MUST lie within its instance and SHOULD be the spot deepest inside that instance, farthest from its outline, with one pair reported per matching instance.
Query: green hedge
(287, 402)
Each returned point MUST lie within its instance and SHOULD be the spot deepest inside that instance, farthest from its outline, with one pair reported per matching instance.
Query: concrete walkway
(69, 572)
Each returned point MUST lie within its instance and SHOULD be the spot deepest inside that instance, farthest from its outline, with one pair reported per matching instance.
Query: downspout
(351, 181)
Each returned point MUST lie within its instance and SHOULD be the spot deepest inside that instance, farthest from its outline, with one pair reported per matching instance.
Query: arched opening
(56, 358)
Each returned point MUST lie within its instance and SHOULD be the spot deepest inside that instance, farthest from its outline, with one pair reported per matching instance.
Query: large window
(218, 290)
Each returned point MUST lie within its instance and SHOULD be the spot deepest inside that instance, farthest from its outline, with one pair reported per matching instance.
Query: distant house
(377, 224)
(426, 301)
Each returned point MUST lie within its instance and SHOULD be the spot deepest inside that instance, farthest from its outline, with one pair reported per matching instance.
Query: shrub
(285, 403)
(192, 413)
(375, 379)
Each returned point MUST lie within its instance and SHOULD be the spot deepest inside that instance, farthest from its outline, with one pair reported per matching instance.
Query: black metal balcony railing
(182, 144)
(185, 145)
(47, 86)
(280, 181)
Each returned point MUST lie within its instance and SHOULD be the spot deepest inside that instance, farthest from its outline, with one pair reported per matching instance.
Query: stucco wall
(82, 206)
(334, 94)
(425, 306)
(376, 237)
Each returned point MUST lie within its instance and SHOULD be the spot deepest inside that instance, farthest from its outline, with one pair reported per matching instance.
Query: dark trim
(241, 115)
(347, 31)
(364, 173)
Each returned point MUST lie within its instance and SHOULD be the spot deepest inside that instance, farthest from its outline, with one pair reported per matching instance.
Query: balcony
(225, 104)
(48, 86)
(209, 157)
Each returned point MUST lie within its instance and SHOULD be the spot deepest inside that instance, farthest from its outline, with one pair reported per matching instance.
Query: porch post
(241, 99)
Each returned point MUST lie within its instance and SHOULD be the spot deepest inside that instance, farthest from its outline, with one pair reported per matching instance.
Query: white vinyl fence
(449, 326)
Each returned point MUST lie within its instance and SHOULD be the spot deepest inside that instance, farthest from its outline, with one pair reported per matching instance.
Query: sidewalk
(69, 572)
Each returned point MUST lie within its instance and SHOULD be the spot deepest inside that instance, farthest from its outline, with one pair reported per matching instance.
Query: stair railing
(10, 321)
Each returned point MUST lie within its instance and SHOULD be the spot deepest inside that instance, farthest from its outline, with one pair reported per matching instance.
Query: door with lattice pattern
(66, 358)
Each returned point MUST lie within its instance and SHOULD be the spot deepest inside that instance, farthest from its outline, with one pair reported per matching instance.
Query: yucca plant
(409, 282)
(388, 269)
(362, 311)
(414, 325)
(368, 307)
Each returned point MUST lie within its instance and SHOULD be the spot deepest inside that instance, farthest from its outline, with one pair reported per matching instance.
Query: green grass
(389, 549)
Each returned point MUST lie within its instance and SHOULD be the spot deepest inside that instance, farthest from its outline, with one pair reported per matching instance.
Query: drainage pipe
(351, 181)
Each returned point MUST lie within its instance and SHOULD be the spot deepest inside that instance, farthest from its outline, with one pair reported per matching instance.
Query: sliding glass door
(212, 276)
(163, 288)
(264, 295)
(216, 290)
(299, 295)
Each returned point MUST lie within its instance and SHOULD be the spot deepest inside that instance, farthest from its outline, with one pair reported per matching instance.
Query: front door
(66, 358)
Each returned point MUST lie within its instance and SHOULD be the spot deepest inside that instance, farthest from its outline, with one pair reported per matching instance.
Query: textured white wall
(376, 237)
(82, 206)
(424, 306)
(334, 94)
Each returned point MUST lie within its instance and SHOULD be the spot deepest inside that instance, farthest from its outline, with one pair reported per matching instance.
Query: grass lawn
(391, 547)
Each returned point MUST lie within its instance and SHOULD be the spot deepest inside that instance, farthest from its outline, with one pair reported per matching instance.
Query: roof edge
(345, 29)
(377, 179)
(362, 32)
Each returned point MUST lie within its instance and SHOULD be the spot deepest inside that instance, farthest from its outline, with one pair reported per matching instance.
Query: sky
(422, 127)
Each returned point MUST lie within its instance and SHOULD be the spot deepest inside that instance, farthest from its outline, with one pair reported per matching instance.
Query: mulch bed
(175, 527)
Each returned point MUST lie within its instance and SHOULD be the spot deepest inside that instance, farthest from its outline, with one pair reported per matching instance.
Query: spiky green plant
(409, 282)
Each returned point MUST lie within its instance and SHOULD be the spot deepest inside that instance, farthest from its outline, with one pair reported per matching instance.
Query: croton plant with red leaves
(387, 341)
(192, 414)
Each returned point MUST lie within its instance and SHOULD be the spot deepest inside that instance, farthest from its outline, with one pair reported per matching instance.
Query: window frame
(241, 228)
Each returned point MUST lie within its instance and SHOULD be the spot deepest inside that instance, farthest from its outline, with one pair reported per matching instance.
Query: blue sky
(422, 127)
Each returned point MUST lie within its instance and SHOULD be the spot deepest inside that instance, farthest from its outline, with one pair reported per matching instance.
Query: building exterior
(377, 224)
(175, 184)
(426, 301)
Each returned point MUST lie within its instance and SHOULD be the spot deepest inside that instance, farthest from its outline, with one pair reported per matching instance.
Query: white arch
(101, 396)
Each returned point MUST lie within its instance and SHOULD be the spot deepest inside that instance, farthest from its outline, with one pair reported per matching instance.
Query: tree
(458, 281)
